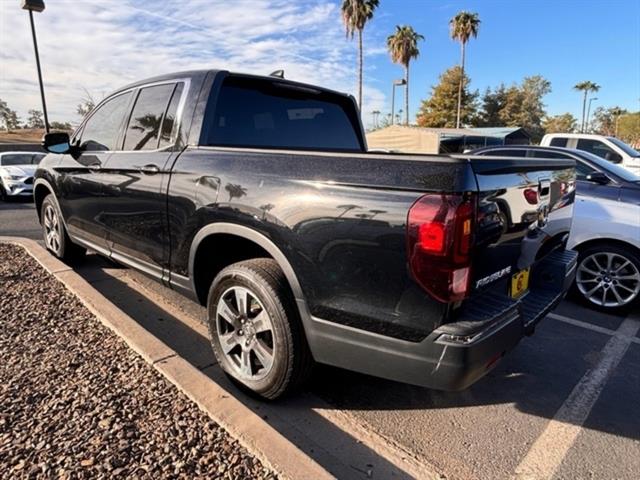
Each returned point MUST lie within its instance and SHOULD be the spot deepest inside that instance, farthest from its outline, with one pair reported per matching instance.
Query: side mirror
(57, 142)
(613, 157)
(598, 177)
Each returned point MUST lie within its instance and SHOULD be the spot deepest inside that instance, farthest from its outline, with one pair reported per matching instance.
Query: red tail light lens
(439, 242)
(531, 196)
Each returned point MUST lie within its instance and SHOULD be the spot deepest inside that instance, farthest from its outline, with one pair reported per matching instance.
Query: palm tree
(463, 26)
(355, 14)
(586, 87)
(403, 47)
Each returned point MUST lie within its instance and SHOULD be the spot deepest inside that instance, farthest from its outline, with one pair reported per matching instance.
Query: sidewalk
(77, 402)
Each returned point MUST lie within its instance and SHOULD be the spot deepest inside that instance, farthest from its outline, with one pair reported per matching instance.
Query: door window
(103, 128)
(558, 142)
(170, 123)
(549, 154)
(595, 146)
(143, 130)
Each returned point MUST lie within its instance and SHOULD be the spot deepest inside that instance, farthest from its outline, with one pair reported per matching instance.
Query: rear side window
(143, 130)
(558, 142)
(103, 128)
(170, 123)
(503, 152)
(260, 113)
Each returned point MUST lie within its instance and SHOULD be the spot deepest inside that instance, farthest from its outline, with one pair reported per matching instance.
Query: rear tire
(55, 234)
(3, 194)
(608, 277)
(255, 329)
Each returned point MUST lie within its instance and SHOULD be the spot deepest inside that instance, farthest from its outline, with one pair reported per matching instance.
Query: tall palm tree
(463, 26)
(403, 47)
(586, 87)
(355, 14)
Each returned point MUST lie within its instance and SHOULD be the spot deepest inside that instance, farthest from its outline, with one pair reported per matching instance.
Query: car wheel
(3, 194)
(256, 332)
(608, 277)
(55, 235)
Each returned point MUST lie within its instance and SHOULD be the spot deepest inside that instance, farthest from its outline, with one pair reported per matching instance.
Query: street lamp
(37, 6)
(399, 82)
(586, 125)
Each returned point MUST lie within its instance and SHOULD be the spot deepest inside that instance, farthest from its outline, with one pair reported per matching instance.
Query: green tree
(605, 120)
(524, 106)
(565, 123)
(403, 47)
(36, 119)
(355, 14)
(61, 126)
(9, 117)
(439, 110)
(463, 26)
(493, 101)
(629, 128)
(586, 87)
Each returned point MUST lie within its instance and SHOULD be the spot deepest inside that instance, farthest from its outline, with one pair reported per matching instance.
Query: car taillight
(439, 243)
(531, 196)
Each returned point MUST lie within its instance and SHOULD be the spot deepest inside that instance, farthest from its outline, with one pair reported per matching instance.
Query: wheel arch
(218, 231)
(41, 189)
(604, 241)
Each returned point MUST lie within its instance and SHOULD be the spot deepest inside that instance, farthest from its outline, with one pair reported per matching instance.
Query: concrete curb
(254, 433)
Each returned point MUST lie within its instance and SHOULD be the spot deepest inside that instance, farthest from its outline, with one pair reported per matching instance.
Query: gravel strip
(75, 402)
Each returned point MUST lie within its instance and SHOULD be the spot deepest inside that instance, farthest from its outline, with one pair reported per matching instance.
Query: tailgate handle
(544, 187)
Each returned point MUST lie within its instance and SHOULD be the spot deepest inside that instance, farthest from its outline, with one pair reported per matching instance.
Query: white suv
(609, 148)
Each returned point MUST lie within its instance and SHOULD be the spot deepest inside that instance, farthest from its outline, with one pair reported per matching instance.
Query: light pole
(37, 6)
(400, 81)
(586, 123)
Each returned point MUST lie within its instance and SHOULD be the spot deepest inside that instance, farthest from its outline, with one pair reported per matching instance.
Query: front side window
(595, 146)
(102, 130)
(143, 129)
(558, 142)
(549, 154)
(582, 170)
(261, 113)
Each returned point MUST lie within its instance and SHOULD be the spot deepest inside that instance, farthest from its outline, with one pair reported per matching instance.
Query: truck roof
(195, 73)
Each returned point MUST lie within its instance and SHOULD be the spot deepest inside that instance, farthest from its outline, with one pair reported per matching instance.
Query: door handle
(95, 167)
(149, 169)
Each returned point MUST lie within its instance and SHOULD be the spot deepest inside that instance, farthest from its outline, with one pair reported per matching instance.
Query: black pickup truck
(257, 197)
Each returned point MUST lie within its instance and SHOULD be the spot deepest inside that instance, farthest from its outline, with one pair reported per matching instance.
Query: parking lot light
(37, 6)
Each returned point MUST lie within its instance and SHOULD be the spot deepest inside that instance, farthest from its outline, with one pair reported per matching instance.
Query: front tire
(54, 233)
(256, 332)
(608, 277)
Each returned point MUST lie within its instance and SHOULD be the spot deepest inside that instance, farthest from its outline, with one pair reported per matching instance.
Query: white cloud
(103, 45)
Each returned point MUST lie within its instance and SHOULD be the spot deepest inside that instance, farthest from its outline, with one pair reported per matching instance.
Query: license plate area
(519, 283)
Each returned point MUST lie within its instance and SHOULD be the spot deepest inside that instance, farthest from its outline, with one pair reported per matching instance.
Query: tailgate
(525, 209)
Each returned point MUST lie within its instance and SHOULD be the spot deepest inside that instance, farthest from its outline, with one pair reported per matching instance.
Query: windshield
(609, 167)
(624, 147)
(16, 159)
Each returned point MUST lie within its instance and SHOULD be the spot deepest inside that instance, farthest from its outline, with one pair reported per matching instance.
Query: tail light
(531, 196)
(439, 242)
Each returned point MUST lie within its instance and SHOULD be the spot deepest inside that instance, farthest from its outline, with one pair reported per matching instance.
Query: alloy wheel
(245, 331)
(608, 279)
(52, 228)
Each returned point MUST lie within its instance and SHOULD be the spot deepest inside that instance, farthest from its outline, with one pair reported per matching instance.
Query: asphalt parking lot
(564, 404)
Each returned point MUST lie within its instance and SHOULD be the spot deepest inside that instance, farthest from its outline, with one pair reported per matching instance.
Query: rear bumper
(457, 354)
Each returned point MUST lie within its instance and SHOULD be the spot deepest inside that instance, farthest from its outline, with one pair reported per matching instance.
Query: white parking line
(551, 447)
(588, 326)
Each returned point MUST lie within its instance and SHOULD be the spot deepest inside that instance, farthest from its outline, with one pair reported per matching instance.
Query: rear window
(558, 142)
(260, 113)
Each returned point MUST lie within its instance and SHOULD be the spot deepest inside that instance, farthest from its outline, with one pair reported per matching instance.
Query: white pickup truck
(609, 148)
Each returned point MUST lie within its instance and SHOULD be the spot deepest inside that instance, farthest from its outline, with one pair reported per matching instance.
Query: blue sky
(99, 46)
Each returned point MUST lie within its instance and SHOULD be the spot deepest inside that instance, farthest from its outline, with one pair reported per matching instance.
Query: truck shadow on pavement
(536, 377)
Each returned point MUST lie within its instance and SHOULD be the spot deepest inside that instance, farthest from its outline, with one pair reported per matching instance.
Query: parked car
(609, 148)
(606, 227)
(607, 235)
(256, 196)
(595, 177)
(16, 173)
